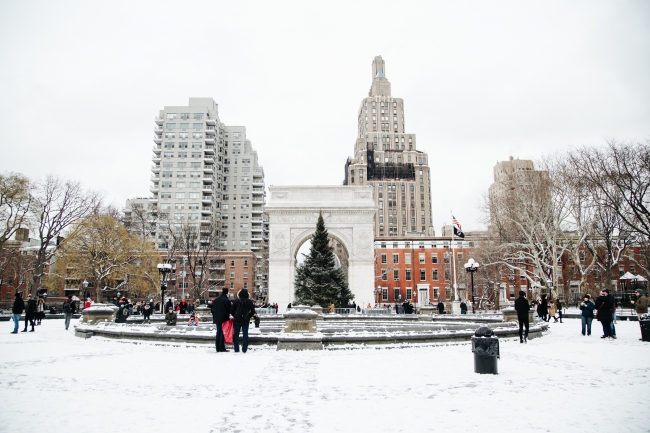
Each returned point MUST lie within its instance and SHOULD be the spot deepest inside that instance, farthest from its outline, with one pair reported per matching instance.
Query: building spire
(378, 68)
(380, 85)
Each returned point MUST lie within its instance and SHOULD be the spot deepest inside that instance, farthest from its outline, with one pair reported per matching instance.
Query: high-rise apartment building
(386, 156)
(206, 177)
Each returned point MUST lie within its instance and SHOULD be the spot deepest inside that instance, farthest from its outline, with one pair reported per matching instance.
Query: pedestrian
(331, 308)
(170, 317)
(222, 314)
(522, 308)
(604, 313)
(543, 309)
(289, 306)
(40, 307)
(463, 307)
(559, 309)
(396, 308)
(122, 313)
(88, 303)
(275, 305)
(613, 322)
(640, 304)
(146, 313)
(30, 312)
(587, 314)
(169, 304)
(552, 310)
(69, 308)
(183, 306)
(441, 307)
(190, 308)
(242, 310)
(16, 310)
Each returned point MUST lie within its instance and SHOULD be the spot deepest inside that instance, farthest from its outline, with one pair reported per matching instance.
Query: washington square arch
(349, 214)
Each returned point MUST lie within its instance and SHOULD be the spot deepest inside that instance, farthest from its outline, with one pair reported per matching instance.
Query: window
(180, 195)
(182, 145)
(408, 275)
(395, 274)
(423, 275)
(193, 206)
(421, 258)
(196, 155)
(170, 126)
(180, 184)
(185, 125)
(232, 263)
(183, 135)
(182, 154)
(384, 275)
(434, 258)
(197, 126)
(167, 184)
(395, 258)
(409, 293)
(383, 259)
(166, 174)
(434, 275)
(246, 262)
(232, 274)
(170, 135)
(168, 154)
(194, 185)
(197, 135)
(180, 174)
(236, 134)
(171, 115)
(194, 195)
(165, 195)
(198, 116)
(407, 258)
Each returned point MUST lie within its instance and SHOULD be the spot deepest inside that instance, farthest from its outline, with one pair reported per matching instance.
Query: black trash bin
(645, 327)
(486, 351)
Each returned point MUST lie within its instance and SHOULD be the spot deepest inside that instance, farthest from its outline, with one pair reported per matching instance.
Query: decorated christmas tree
(318, 281)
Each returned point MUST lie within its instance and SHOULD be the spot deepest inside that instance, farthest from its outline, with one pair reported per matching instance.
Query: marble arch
(349, 214)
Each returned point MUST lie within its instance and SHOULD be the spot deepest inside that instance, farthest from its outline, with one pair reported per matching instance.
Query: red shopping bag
(228, 330)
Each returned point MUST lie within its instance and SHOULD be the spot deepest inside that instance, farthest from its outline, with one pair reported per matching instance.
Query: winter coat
(19, 305)
(587, 309)
(522, 307)
(170, 318)
(543, 308)
(441, 308)
(40, 303)
(73, 305)
(197, 303)
(250, 310)
(641, 304)
(463, 306)
(221, 309)
(146, 310)
(604, 309)
(183, 306)
(30, 312)
(169, 305)
(552, 310)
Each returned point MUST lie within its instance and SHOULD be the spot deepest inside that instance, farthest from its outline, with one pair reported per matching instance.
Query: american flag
(458, 230)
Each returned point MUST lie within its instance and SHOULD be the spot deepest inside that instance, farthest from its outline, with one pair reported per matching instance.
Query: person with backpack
(16, 310)
(242, 310)
(69, 308)
(30, 312)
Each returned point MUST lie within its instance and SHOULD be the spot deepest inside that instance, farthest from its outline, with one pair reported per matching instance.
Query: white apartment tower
(386, 156)
(207, 174)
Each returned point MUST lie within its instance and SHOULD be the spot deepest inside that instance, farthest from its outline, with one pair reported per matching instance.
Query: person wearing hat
(30, 312)
(69, 308)
(16, 310)
(522, 307)
(170, 317)
(587, 314)
(604, 307)
(641, 303)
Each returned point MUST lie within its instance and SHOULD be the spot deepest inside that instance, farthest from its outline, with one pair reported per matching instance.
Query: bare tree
(57, 205)
(15, 204)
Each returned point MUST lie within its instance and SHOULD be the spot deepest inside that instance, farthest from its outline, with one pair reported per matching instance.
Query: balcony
(154, 189)
(156, 159)
(209, 149)
(208, 179)
(155, 178)
(156, 150)
(258, 191)
(211, 121)
(155, 169)
(257, 201)
(153, 200)
(256, 229)
(255, 247)
(257, 210)
(208, 170)
(258, 183)
(257, 220)
(158, 120)
(258, 173)
(209, 140)
(157, 139)
(158, 131)
(207, 160)
(210, 131)
(207, 191)
(206, 200)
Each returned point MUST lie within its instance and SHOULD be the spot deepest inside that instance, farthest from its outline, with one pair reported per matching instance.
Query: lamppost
(471, 266)
(377, 292)
(163, 269)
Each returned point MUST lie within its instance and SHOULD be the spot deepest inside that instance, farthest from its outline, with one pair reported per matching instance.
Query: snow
(563, 382)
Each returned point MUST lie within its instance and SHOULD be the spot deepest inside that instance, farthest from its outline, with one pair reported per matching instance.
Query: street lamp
(471, 266)
(163, 269)
(377, 292)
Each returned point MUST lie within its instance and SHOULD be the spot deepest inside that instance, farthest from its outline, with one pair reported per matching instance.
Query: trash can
(486, 351)
(645, 327)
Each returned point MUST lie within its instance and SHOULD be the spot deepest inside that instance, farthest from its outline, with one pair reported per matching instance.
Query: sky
(81, 83)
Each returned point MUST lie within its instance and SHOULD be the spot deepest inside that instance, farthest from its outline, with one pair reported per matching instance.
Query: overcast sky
(81, 83)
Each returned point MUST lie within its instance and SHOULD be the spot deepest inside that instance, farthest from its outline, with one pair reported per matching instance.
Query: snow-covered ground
(52, 381)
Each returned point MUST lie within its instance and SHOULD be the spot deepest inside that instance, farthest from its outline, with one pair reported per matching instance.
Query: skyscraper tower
(386, 157)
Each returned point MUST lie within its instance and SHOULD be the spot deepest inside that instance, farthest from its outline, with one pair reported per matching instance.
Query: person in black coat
(242, 310)
(441, 307)
(543, 309)
(522, 308)
(16, 310)
(169, 304)
(30, 312)
(559, 309)
(463, 307)
(221, 313)
(604, 307)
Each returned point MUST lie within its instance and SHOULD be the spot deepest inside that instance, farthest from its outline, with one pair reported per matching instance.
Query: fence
(377, 311)
(345, 311)
(265, 311)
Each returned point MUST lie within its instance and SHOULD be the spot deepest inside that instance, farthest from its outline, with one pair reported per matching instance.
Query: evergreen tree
(318, 281)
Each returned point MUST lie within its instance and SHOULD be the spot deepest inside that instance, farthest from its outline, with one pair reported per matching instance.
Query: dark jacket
(19, 305)
(463, 306)
(641, 304)
(522, 307)
(183, 306)
(221, 309)
(587, 309)
(30, 312)
(441, 307)
(170, 318)
(250, 310)
(543, 307)
(604, 309)
(73, 305)
(169, 305)
(146, 310)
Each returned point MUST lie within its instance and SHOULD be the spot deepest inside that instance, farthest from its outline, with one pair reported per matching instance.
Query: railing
(265, 311)
(377, 311)
(345, 311)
